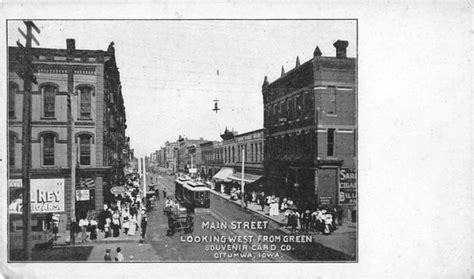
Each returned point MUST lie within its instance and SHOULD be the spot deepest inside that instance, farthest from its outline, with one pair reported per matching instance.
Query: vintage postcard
(182, 140)
(217, 139)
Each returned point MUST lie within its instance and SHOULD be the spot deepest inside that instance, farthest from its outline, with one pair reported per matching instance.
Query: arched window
(49, 100)
(11, 150)
(12, 90)
(48, 149)
(85, 150)
(85, 95)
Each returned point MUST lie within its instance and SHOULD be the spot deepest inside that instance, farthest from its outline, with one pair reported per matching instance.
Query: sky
(172, 70)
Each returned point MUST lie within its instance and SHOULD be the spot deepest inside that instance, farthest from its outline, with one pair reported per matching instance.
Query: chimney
(297, 61)
(341, 48)
(282, 71)
(71, 45)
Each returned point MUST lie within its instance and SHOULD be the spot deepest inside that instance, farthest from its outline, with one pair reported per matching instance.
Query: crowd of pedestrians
(321, 221)
(124, 216)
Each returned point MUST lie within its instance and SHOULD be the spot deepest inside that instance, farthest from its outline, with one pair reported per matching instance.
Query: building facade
(169, 158)
(207, 158)
(249, 147)
(189, 153)
(78, 119)
(310, 131)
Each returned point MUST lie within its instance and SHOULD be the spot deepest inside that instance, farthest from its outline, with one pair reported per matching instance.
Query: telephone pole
(26, 73)
(242, 183)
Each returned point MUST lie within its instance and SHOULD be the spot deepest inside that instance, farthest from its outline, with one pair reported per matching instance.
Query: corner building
(78, 114)
(310, 131)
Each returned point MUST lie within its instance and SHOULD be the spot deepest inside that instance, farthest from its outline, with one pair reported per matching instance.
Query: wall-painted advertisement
(347, 186)
(47, 196)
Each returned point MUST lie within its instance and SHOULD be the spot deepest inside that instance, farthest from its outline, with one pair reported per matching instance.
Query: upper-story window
(233, 154)
(308, 102)
(11, 150)
(12, 90)
(85, 150)
(283, 109)
(299, 106)
(331, 101)
(85, 95)
(291, 109)
(330, 140)
(49, 100)
(48, 149)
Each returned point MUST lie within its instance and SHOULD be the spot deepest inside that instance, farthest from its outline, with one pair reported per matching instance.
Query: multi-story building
(169, 158)
(207, 158)
(189, 153)
(310, 130)
(78, 118)
(250, 146)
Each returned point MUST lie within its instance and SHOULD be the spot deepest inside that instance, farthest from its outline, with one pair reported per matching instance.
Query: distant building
(310, 130)
(77, 105)
(169, 158)
(207, 158)
(189, 153)
(234, 145)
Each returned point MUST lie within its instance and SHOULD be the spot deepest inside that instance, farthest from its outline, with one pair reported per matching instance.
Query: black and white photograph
(225, 139)
(203, 141)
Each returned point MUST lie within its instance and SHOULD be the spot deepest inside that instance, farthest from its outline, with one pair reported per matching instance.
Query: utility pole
(242, 183)
(26, 73)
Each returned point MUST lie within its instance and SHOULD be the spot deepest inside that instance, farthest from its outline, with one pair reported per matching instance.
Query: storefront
(221, 178)
(253, 182)
(47, 200)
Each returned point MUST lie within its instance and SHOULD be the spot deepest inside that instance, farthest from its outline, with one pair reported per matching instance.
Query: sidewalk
(343, 240)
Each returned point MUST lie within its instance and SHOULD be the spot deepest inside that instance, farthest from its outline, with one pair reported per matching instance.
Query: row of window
(48, 146)
(253, 152)
(301, 144)
(48, 99)
(292, 108)
(299, 106)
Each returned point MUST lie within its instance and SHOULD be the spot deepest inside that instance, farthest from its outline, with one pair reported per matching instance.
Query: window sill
(49, 166)
(47, 118)
(85, 119)
(331, 115)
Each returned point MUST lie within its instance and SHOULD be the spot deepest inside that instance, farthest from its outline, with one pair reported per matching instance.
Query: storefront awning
(248, 178)
(223, 174)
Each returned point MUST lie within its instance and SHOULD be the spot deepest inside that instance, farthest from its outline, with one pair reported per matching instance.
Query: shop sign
(325, 200)
(118, 190)
(193, 170)
(15, 183)
(47, 195)
(83, 195)
(347, 186)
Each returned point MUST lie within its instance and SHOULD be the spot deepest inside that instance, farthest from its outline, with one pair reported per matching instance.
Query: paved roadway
(176, 248)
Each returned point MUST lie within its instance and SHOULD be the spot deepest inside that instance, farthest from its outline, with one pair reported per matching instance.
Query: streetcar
(179, 188)
(195, 196)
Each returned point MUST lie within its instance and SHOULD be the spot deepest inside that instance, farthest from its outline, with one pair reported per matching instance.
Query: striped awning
(87, 182)
(223, 174)
(248, 178)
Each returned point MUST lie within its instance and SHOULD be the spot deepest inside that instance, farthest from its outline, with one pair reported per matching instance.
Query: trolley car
(193, 195)
(179, 188)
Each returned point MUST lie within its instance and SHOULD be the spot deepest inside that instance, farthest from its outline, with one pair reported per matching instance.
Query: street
(173, 248)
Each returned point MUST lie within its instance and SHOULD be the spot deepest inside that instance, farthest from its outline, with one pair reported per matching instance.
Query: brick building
(310, 130)
(233, 146)
(189, 149)
(77, 114)
(207, 158)
(169, 158)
